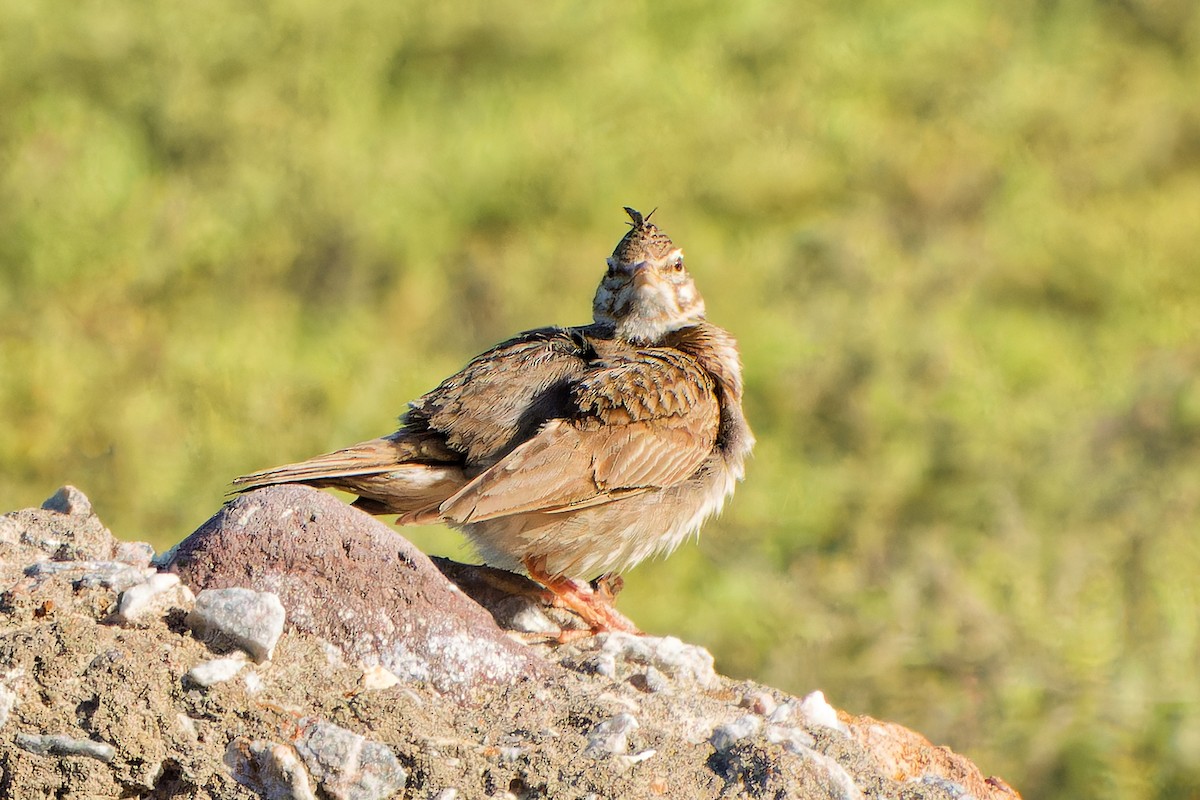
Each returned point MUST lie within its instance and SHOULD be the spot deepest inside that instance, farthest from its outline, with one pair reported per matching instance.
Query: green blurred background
(959, 244)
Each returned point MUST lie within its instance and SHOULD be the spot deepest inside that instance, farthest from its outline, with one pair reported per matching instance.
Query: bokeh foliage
(958, 242)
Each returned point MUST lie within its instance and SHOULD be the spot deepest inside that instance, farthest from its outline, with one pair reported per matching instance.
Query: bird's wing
(452, 433)
(640, 422)
(502, 397)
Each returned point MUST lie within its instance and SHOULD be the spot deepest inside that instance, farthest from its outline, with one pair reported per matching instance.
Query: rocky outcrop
(294, 647)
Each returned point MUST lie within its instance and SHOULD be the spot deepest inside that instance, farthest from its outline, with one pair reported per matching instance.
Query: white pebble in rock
(113, 575)
(188, 726)
(8, 701)
(253, 682)
(161, 592)
(628, 761)
(839, 779)
(208, 673)
(60, 745)
(727, 735)
(268, 769)
(377, 678)
(346, 765)
(511, 753)
(651, 681)
(759, 702)
(793, 740)
(683, 662)
(611, 737)
(817, 711)
(244, 618)
(952, 788)
(783, 713)
(135, 554)
(602, 664)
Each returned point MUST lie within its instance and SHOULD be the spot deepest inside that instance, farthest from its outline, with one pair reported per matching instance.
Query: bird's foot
(594, 606)
(609, 585)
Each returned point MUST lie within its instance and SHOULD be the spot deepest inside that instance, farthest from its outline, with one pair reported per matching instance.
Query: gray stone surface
(115, 575)
(243, 618)
(349, 766)
(353, 581)
(69, 500)
(60, 745)
(271, 770)
(65, 530)
(649, 663)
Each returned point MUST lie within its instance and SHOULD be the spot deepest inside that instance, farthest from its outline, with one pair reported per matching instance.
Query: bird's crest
(643, 242)
(636, 216)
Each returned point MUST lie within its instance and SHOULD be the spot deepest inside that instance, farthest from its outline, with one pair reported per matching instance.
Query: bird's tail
(368, 458)
(406, 475)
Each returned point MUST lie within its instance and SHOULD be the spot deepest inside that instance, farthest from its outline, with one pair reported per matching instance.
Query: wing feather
(641, 422)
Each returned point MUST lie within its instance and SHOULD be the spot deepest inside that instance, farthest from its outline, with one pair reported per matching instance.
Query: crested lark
(569, 452)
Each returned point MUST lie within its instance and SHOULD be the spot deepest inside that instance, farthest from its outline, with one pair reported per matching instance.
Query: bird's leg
(594, 607)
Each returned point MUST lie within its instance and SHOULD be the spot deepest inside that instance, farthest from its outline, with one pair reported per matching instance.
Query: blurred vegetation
(959, 244)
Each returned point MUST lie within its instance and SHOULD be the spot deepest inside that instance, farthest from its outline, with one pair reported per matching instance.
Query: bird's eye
(677, 265)
(612, 271)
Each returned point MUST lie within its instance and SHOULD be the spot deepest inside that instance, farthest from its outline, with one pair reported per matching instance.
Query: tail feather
(367, 458)
(391, 475)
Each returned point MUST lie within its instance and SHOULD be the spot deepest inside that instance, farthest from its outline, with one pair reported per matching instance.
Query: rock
(243, 618)
(98, 710)
(59, 745)
(156, 595)
(136, 554)
(836, 780)
(650, 681)
(793, 739)
(611, 737)
(349, 579)
(272, 771)
(760, 703)
(684, 663)
(376, 678)
(207, 673)
(349, 766)
(8, 699)
(729, 734)
(114, 575)
(817, 711)
(523, 615)
(783, 712)
(69, 500)
(511, 599)
(64, 529)
(911, 758)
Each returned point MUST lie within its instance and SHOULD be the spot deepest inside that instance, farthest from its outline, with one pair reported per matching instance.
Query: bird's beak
(642, 273)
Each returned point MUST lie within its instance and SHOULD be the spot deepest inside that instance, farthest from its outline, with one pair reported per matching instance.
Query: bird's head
(647, 292)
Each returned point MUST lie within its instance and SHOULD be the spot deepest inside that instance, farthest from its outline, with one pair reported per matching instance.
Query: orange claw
(593, 607)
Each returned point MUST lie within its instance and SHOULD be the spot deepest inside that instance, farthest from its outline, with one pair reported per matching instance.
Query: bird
(569, 453)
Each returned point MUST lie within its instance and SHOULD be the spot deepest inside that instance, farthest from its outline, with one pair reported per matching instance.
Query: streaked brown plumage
(569, 452)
